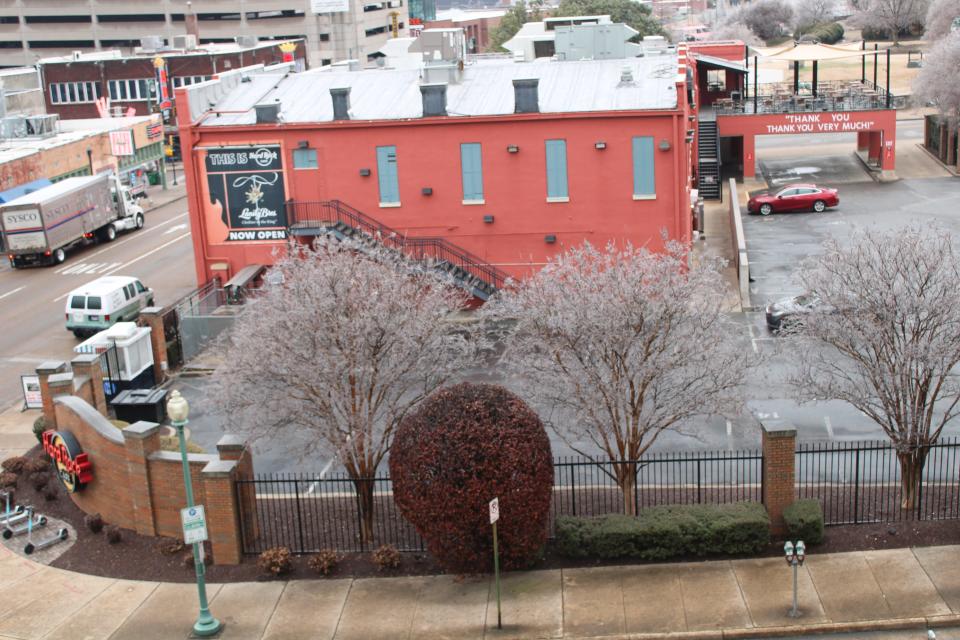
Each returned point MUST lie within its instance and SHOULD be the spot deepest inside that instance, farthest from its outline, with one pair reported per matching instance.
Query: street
(32, 300)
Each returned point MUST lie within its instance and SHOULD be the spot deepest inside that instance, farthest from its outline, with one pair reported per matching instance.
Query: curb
(863, 626)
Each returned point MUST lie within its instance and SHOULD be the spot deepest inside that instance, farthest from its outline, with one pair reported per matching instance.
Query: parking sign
(194, 524)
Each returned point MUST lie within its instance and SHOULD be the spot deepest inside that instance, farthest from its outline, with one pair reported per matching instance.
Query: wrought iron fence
(860, 482)
(110, 365)
(309, 512)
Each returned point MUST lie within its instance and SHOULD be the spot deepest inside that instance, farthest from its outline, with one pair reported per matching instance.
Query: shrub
(113, 534)
(37, 465)
(659, 533)
(188, 562)
(39, 481)
(170, 546)
(39, 426)
(93, 522)
(828, 33)
(325, 561)
(462, 447)
(804, 520)
(8, 480)
(14, 464)
(386, 557)
(276, 561)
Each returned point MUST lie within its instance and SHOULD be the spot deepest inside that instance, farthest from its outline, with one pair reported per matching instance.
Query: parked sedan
(789, 311)
(793, 197)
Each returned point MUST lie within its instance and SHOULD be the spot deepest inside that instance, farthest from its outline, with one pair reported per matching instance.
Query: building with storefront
(489, 166)
(507, 162)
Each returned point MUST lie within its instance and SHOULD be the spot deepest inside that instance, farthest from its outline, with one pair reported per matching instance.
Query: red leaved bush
(462, 447)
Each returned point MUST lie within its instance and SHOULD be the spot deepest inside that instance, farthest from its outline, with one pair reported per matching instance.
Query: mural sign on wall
(245, 184)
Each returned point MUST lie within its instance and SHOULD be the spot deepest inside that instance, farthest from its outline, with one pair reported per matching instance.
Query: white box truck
(40, 227)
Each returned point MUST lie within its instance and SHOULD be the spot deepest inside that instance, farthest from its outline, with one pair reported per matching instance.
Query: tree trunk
(911, 475)
(626, 474)
(364, 488)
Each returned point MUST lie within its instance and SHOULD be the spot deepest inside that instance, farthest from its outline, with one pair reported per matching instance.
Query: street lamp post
(794, 556)
(178, 410)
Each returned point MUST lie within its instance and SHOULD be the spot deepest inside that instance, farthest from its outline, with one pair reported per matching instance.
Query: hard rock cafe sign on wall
(73, 467)
(246, 193)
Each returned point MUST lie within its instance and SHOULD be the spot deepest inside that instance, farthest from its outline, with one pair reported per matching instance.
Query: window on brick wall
(74, 92)
(137, 90)
(186, 81)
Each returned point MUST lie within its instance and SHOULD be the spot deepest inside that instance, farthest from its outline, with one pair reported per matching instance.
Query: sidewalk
(895, 589)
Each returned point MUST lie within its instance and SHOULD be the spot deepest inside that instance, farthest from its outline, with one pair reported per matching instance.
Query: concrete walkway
(863, 591)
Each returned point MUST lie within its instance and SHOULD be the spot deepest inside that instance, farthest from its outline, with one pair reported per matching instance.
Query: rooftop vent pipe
(434, 99)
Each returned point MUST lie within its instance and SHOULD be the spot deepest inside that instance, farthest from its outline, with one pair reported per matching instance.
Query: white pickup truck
(40, 227)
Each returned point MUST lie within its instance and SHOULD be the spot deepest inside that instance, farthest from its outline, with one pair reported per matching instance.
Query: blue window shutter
(387, 174)
(472, 169)
(643, 171)
(557, 169)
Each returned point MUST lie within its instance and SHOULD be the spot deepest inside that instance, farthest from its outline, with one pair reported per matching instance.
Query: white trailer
(40, 227)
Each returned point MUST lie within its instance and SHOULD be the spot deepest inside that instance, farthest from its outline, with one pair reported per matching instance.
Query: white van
(99, 304)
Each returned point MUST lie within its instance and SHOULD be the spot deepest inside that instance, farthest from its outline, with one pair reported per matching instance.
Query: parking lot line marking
(826, 421)
(135, 260)
(10, 293)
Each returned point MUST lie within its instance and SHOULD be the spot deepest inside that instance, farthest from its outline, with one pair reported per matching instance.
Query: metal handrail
(420, 248)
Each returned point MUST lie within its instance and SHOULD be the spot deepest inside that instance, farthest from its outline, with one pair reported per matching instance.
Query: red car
(793, 197)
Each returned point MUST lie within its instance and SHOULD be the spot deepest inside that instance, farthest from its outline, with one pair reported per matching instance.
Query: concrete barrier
(739, 247)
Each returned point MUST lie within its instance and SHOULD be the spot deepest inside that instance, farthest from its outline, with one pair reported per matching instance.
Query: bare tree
(810, 13)
(940, 17)
(765, 18)
(890, 16)
(624, 344)
(735, 31)
(887, 337)
(333, 358)
(936, 81)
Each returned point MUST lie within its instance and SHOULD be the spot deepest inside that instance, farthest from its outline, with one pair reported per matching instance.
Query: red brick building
(72, 84)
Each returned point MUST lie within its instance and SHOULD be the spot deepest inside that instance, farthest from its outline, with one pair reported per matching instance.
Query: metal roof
(721, 62)
(486, 88)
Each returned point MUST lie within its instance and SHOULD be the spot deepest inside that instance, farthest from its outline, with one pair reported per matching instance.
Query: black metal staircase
(340, 220)
(708, 149)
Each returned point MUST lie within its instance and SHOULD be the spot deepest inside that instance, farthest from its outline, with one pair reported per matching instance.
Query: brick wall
(139, 487)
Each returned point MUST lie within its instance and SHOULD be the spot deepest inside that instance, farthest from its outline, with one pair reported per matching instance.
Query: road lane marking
(136, 235)
(10, 293)
(175, 228)
(135, 260)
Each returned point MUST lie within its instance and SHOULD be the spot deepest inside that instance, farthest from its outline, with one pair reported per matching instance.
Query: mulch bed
(150, 558)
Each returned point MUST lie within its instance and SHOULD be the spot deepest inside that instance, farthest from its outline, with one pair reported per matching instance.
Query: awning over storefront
(817, 52)
(721, 63)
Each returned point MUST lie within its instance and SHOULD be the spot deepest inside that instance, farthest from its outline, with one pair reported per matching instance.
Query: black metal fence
(110, 365)
(309, 512)
(859, 482)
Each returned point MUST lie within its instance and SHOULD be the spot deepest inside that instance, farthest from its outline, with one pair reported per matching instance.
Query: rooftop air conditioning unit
(186, 42)
(42, 126)
(13, 127)
(247, 41)
(151, 43)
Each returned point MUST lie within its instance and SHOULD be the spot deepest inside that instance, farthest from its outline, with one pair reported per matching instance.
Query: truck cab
(129, 213)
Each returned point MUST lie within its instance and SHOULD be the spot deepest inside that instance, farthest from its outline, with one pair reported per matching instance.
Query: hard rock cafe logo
(263, 156)
(73, 467)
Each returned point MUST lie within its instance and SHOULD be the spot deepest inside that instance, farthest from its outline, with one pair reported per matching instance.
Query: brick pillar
(88, 365)
(141, 439)
(58, 384)
(223, 513)
(44, 371)
(779, 453)
(231, 447)
(874, 152)
(863, 140)
(153, 318)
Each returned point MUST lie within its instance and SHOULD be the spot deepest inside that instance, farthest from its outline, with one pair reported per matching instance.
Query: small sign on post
(494, 517)
(194, 524)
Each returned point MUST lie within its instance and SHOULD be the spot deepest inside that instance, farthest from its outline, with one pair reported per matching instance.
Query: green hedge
(827, 33)
(804, 520)
(659, 533)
